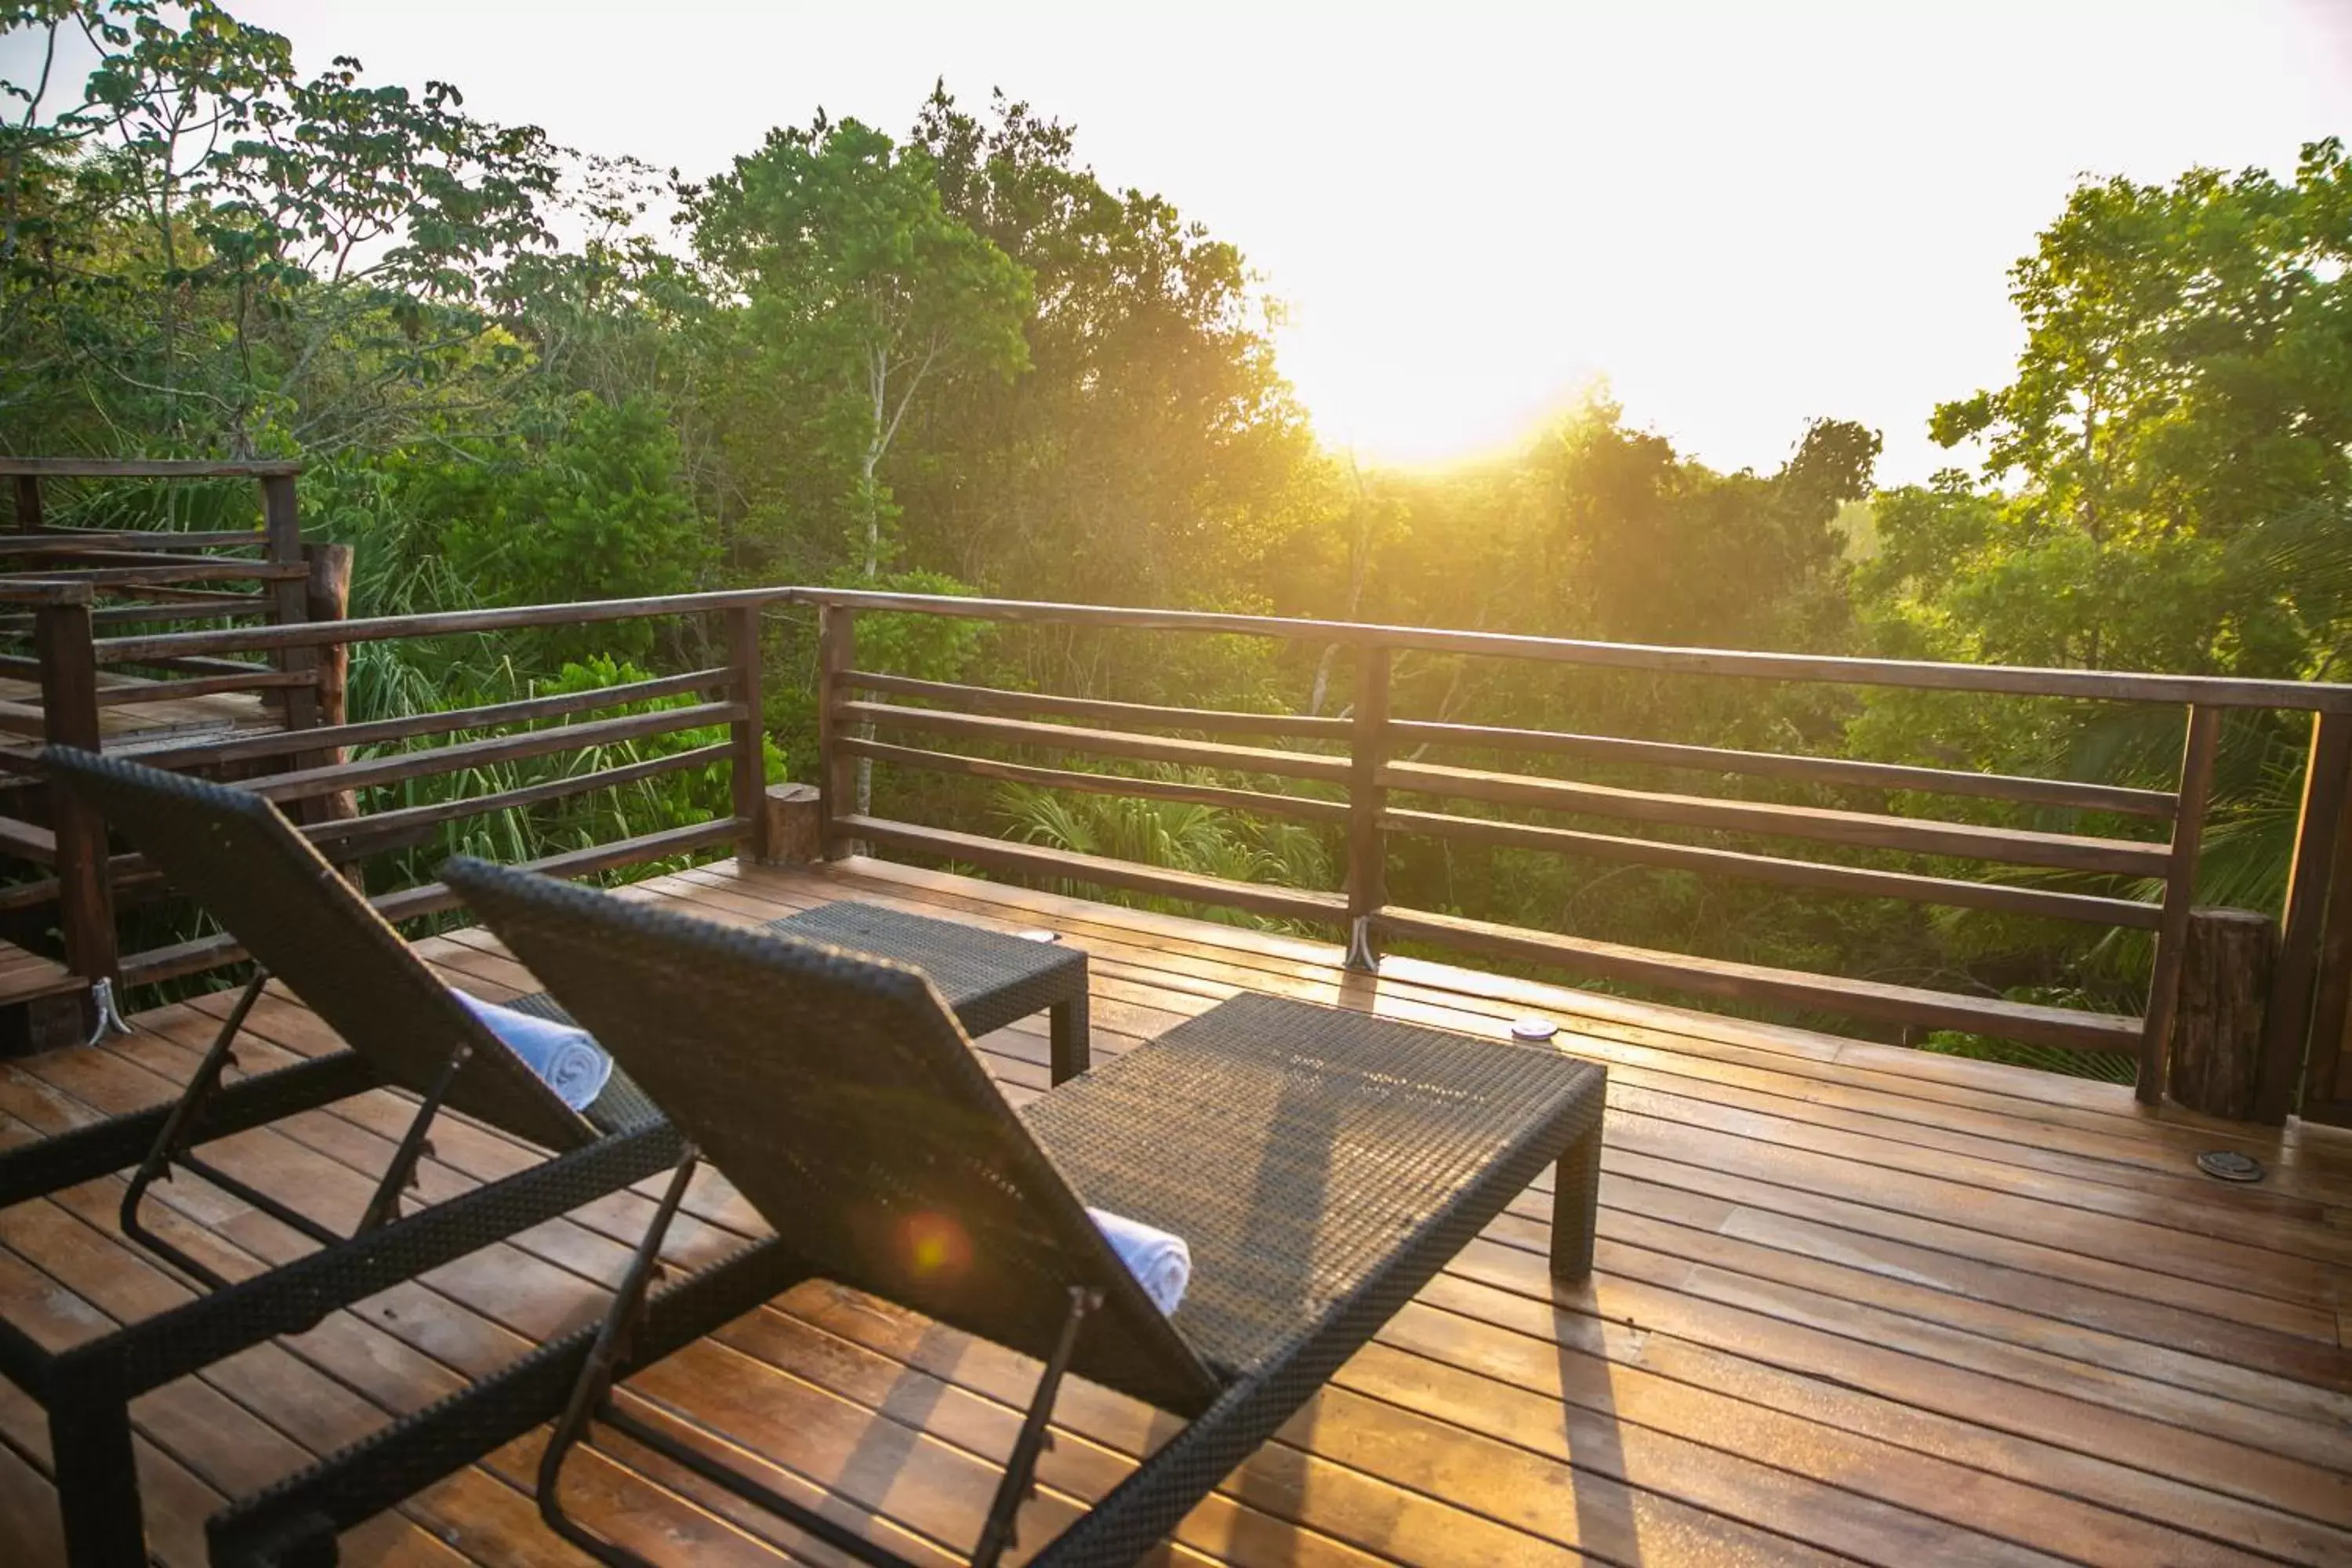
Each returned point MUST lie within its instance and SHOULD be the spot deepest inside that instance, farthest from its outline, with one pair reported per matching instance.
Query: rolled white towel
(1161, 1262)
(574, 1066)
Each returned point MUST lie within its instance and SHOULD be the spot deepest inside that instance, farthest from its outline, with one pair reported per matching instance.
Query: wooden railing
(867, 715)
(306, 770)
(1360, 778)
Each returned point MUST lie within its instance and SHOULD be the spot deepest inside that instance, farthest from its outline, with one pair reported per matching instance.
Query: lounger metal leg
(414, 1144)
(98, 1482)
(173, 1141)
(1071, 1027)
(591, 1394)
(1021, 1469)
(1575, 1190)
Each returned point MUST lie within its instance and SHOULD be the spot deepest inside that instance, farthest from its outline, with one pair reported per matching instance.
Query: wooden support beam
(28, 503)
(2214, 1054)
(747, 737)
(2198, 751)
(2311, 984)
(1367, 847)
(69, 716)
(837, 654)
(327, 596)
(289, 596)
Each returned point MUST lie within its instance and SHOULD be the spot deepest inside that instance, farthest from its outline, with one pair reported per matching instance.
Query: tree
(2180, 419)
(860, 288)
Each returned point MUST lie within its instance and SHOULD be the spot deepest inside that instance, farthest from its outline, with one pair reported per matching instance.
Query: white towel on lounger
(1159, 1261)
(567, 1056)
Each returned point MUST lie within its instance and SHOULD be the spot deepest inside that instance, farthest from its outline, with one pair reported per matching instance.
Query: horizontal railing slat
(1283, 904)
(359, 835)
(151, 467)
(1861, 881)
(2057, 1026)
(1300, 806)
(994, 700)
(198, 570)
(69, 540)
(1098, 742)
(2151, 803)
(146, 692)
(1863, 829)
(333, 778)
(440, 721)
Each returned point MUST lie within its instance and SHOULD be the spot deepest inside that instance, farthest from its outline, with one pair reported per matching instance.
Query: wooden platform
(1852, 1303)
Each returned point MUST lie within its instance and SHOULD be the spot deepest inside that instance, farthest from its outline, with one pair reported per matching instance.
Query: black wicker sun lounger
(236, 856)
(1322, 1165)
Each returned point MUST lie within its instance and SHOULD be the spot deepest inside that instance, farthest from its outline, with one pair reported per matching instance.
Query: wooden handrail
(2097, 685)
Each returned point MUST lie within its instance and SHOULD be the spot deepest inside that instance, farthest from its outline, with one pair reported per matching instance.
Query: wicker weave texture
(989, 979)
(233, 853)
(1296, 1147)
(838, 1094)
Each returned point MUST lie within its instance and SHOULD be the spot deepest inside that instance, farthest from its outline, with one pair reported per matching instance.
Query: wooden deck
(1852, 1303)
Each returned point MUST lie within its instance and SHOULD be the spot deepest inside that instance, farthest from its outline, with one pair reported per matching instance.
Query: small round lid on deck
(1532, 1028)
(2229, 1165)
(1039, 934)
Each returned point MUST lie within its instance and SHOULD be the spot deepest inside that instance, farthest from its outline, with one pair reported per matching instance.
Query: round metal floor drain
(1533, 1028)
(2229, 1165)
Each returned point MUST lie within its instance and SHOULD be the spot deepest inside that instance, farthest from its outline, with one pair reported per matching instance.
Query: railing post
(836, 654)
(61, 638)
(2180, 892)
(289, 597)
(1367, 852)
(28, 503)
(2311, 985)
(327, 596)
(748, 767)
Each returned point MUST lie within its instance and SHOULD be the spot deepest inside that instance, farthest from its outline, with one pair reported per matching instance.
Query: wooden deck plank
(1849, 1306)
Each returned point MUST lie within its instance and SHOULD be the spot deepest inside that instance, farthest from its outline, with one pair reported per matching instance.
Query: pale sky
(1742, 216)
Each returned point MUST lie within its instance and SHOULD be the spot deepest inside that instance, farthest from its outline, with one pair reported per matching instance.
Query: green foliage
(1203, 839)
(589, 509)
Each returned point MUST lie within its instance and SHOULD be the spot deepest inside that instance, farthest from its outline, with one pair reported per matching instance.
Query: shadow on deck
(1851, 1302)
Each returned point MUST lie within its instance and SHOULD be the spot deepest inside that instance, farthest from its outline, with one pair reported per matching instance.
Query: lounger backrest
(837, 1093)
(269, 888)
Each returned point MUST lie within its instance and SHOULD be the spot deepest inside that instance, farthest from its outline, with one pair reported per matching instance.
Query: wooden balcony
(1852, 1302)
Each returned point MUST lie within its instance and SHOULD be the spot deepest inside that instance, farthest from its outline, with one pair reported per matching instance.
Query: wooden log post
(327, 596)
(290, 597)
(746, 736)
(61, 636)
(2204, 736)
(837, 654)
(2311, 984)
(2215, 1054)
(1367, 849)
(28, 503)
(795, 834)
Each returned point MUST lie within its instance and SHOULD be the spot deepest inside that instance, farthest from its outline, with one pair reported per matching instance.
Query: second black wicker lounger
(1323, 1166)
